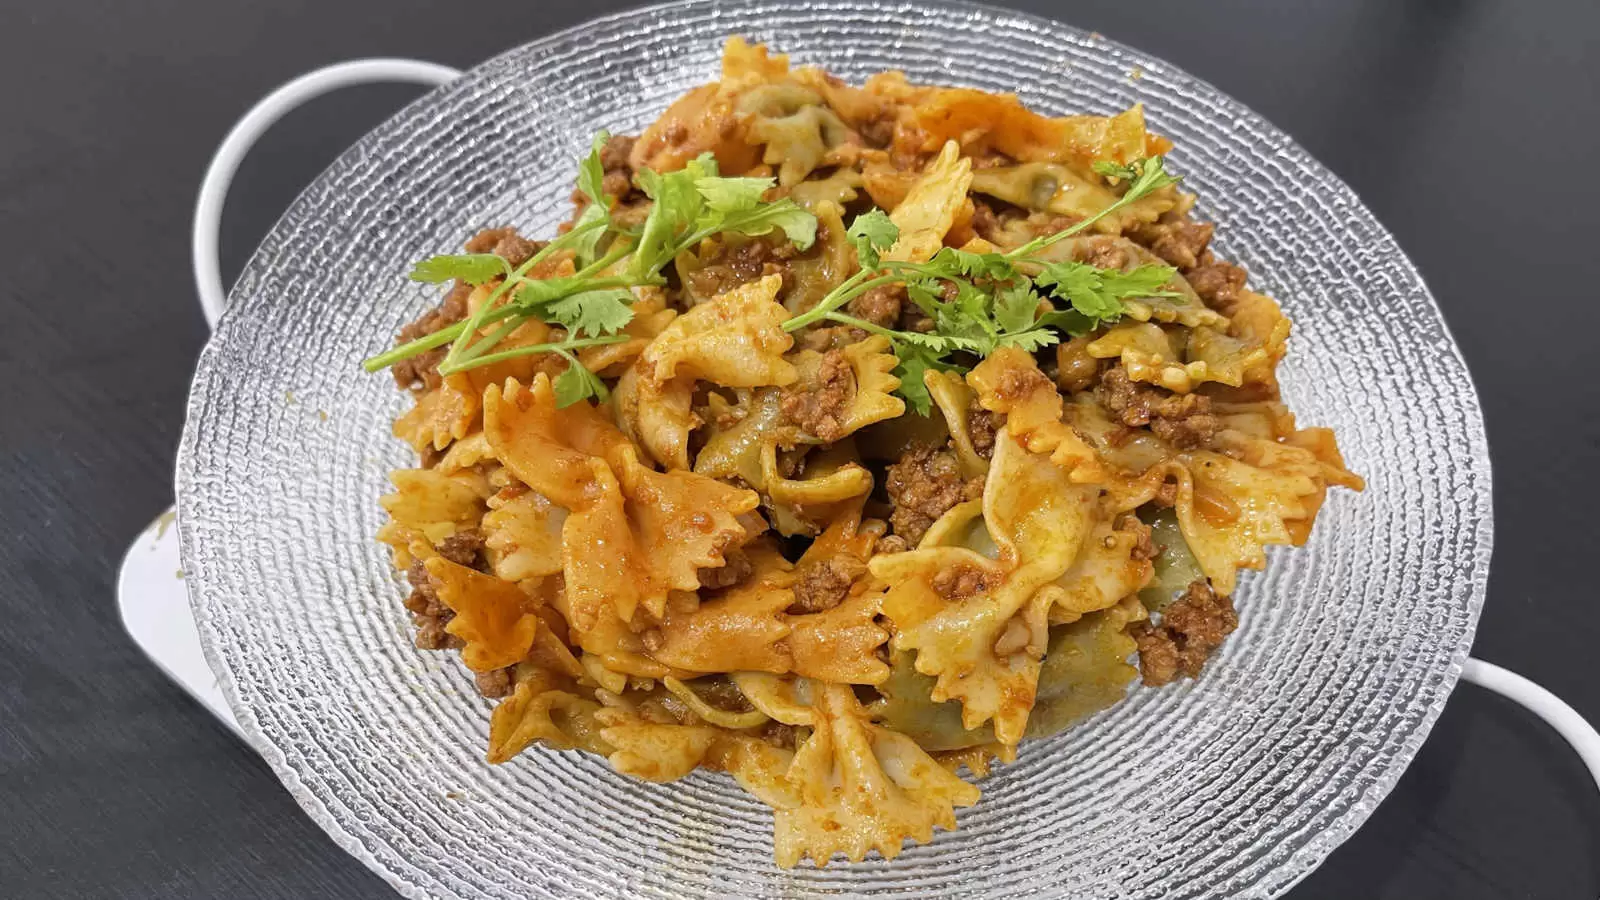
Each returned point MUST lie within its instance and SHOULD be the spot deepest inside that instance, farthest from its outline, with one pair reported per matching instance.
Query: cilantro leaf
(538, 291)
(1015, 306)
(914, 363)
(974, 265)
(798, 225)
(597, 312)
(1113, 169)
(1080, 285)
(586, 246)
(592, 173)
(871, 233)
(728, 195)
(1145, 281)
(577, 384)
(677, 205)
(1030, 340)
(473, 268)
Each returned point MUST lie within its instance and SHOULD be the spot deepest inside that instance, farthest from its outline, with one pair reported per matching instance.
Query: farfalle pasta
(846, 439)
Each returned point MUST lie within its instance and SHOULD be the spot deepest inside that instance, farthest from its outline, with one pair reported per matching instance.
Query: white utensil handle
(271, 108)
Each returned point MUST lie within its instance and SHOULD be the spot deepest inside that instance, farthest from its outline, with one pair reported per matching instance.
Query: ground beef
(922, 486)
(881, 305)
(819, 408)
(735, 570)
(981, 427)
(618, 180)
(824, 583)
(1217, 283)
(830, 337)
(727, 267)
(1190, 630)
(892, 543)
(1182, 243)
(984, 221)
(506, 244)
(1182, 420)
(462, 548)
(1143, 548)
(495, 684)
(422, 370)
(780, 735)
(961, 581)
(1105, 251)
(428, 612)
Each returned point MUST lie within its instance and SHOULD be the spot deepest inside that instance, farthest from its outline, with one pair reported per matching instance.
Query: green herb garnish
(979, 302)
(596, 302)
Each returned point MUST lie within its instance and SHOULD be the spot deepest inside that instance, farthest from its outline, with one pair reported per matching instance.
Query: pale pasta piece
(930, 207)
(862, 788)
(522, 531)
(736, 340)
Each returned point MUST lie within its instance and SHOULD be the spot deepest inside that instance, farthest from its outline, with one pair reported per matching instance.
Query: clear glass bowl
(1235, 785)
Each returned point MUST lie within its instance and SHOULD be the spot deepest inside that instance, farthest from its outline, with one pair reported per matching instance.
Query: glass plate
(1235, 785)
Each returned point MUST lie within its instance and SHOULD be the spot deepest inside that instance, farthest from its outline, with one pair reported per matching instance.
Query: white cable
(1547, 706)
(219, 175)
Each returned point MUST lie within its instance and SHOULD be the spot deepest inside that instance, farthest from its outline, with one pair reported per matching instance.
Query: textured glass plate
(1232, 786)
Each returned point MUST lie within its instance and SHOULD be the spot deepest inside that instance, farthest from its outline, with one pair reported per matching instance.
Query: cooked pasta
(847, 437)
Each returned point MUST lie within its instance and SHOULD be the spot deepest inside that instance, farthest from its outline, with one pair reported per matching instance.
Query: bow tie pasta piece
(931, 206)
(494, 617)
(428, 506)
(742, 629)
(522, 531)
(977, 625)
(1113, 564)
(862, 788)
(906, 706)
(631, 535)
(547, 704)
(844, 390)
(1153, 355)
(735, 340)
(1086, 668)
(1062, 191)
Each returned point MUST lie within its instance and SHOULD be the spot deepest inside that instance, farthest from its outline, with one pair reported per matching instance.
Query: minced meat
(1143, 547)
(1191, 630)
(824, 583)
(981, 428)
(1217, 283)
(736, 568)
(1182, 243)
(922, 486)
(1183, 420)
(819, 408)
(881, 305)
(961, 581)
(428, 612)
(727, 267)
(496, 683)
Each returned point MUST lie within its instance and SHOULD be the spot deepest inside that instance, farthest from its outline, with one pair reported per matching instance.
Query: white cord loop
(271, 108)
(1547, 706)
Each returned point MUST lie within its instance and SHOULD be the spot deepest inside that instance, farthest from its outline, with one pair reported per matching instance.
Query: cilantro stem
(1152, 177)
(852, 288)
(427, 342)
(864, 325)
(479, 318)
(531, 349)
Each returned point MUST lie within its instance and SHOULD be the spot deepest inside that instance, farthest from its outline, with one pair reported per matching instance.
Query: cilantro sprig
(979, 302)
(595, 303)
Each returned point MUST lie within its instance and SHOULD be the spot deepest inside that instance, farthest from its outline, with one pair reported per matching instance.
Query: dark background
(1469, 127)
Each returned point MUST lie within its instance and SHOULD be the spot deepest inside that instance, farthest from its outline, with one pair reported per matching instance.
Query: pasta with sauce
(845, 438)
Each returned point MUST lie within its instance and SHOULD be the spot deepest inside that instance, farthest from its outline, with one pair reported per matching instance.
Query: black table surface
(1469, 127)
